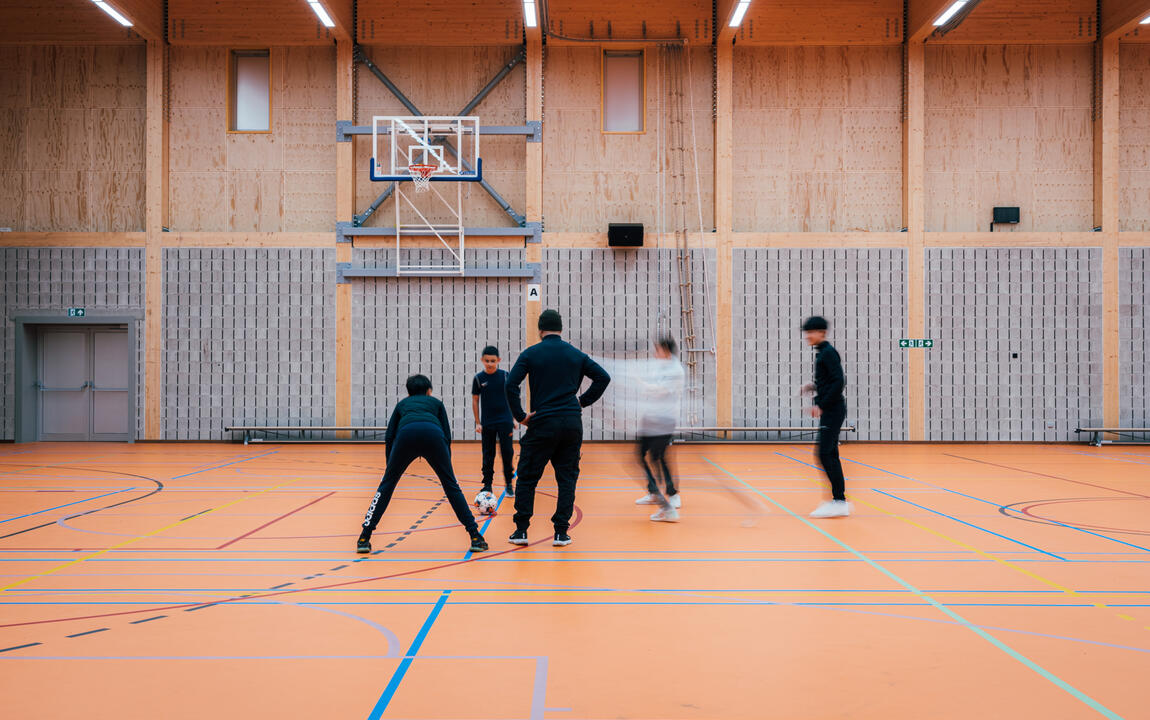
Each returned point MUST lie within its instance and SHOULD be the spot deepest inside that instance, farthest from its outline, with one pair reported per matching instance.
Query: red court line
(1055, 477)
(276, 520)
(259, 596)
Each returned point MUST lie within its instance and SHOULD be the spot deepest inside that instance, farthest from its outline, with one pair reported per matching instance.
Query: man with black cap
(831, 407)
(555, 425)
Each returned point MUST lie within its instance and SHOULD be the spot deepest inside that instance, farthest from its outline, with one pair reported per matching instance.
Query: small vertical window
(623, 92)
(249, 85)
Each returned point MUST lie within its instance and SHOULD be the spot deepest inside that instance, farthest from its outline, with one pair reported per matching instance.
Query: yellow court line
(1033, 575)
(129, 541)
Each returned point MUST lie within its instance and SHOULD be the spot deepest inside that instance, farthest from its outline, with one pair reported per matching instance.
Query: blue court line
(97, 497)
(561, 589)
(417, 643)
(1005, 507)
(217, 467)
(747, 603)
(1057, 681)
(976, 527)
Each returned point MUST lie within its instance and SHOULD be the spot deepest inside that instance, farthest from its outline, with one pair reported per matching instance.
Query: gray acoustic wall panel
(1018, 336)
(435, 326)
(1134, 336)
(249, 338)
(615, 302)
(47, 281)
(862, 293)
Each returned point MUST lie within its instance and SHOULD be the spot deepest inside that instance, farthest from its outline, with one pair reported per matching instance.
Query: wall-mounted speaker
(625, 235)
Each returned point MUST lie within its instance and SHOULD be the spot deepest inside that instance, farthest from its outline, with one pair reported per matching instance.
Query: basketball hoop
(421, 176)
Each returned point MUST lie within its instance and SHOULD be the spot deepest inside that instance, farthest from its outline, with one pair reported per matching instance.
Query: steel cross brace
(359, 56)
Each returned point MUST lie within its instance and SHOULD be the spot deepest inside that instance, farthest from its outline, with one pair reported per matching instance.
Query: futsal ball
(486, 503)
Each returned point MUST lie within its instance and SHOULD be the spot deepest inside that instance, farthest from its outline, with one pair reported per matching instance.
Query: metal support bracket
(345, 272)
(532, 232)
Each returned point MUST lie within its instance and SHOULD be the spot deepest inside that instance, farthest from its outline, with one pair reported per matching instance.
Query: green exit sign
(75, 312)
(916, 343)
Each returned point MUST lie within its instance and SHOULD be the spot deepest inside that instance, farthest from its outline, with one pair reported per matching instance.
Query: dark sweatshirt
(829, 378)
(415, 409)
(556, 369)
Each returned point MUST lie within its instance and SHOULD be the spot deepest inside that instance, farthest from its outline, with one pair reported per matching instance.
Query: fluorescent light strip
(740, 11)
(112, 11)
(529, 14)
(950, 12)
(322, 14)
(1146, 21)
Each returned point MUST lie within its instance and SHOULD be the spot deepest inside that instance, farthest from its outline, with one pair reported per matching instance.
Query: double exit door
(83, 383)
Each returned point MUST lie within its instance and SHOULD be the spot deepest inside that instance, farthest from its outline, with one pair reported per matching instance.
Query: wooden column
(345, 211)
(724, 225)
(1106, 130)
(156, 206)
(534, 174)
(914, 218)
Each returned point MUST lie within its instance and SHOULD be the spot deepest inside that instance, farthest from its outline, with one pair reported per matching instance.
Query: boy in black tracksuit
(831, 408)
(555, 426)
(494, 423)
(419, 428)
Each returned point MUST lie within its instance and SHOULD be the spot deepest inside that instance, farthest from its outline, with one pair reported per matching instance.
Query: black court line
(196, 514)
(337, 567)
(277, 587)
(159, 487)
(88, 632)
(201, 607)
(19, 647)
(137, 622)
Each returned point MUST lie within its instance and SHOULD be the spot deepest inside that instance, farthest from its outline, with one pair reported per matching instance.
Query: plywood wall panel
(198, 201)
(814, 124)
(312, 82)
(307, 140)
(12, 199)
(198, 77)
(1134, 139)
(255, 201)
(55, 199)
(13, 138)
(117, 78)
(1009, 125)
(255, 151)
(15, 83)
(115, 201)
(196, 140)
(116, 139)
(309, 201)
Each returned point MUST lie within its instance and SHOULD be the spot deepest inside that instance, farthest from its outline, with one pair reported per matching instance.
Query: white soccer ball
(486, 503)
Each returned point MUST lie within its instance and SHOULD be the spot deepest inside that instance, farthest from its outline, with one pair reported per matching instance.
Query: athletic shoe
(363, 544)
(478, 544)
(510, 489)
(561, 539)
(519, 537)
(649, 499)
(832, 509)
(676, 501)
(667, 514)
(486, 488)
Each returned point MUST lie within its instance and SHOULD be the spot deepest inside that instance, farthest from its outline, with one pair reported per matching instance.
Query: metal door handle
(42, 388)
(101, 389)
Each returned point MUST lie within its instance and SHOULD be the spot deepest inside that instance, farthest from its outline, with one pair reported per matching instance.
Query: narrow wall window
(249, 91)
(623, 91)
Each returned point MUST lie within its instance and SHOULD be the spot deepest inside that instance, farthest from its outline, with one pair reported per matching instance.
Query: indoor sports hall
(574, 360)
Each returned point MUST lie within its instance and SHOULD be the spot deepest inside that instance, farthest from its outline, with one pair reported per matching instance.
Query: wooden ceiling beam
(147, 16)
(724, 10)
(921, 15)
(1121, 16)
(342, 12)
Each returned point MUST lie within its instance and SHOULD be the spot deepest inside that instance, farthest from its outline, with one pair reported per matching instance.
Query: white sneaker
(832, 509)
(676, 501)
(666, 515)
(648, 500)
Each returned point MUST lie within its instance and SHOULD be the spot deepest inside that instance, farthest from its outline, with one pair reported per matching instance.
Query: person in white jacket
(660, 395)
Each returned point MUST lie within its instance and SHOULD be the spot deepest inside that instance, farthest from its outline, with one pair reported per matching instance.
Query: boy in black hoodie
(419, 429)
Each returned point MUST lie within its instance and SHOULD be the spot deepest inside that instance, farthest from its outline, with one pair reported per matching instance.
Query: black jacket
(556, 369)
(413, 409)
(829, 378)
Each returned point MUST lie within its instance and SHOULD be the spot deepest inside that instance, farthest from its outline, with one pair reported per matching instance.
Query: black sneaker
(487, 488)
(363, 544)
(478, 544)
(519, 537)
(561, 539)
(510, 489)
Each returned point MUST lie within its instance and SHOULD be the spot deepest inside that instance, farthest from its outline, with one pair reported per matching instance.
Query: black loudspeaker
(625, 234)
(1006, 215)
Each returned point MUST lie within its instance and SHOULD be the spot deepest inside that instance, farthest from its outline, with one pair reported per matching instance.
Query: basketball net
(421, 176)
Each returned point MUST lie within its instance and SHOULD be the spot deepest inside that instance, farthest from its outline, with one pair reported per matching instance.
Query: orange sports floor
(220, 581)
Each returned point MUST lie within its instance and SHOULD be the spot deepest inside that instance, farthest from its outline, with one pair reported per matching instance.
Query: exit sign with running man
(916, 343)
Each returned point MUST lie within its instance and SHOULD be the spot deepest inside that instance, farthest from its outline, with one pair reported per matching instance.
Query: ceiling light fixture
(950, 12)
(321, 13)
(112, 11)
(1145, 21)
(740, 11)
(529, 18)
